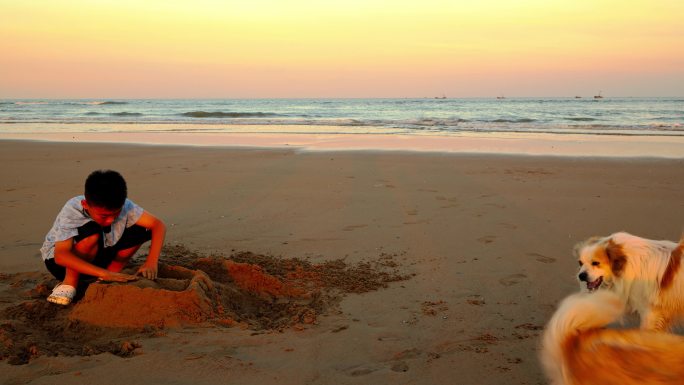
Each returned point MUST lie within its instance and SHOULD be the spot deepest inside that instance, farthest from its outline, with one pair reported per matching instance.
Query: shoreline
(565, 145)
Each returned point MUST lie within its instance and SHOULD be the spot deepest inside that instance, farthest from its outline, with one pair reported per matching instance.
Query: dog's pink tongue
(595, 284)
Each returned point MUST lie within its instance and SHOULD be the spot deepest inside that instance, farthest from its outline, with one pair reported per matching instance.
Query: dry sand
(388, 267)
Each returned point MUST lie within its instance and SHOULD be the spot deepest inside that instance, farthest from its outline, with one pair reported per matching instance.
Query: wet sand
(509, 143)
(483, 243)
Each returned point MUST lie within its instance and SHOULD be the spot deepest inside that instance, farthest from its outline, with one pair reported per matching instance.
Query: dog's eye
(595, 263)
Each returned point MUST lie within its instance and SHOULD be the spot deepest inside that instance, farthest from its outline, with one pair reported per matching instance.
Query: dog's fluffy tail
(576, 313)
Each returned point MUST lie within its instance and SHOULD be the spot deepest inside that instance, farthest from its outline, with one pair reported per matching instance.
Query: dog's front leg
(654, 320)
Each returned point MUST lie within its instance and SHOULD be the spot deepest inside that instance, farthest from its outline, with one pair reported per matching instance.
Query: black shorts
(132, 236)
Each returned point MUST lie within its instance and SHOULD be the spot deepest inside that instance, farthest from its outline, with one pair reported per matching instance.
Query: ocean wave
(93, 113)
(675, 119)
(109, 102)
(126, 114)
(670, 126)
(218, 114)
(434, 122)
(680, 100)
(522, 120)
(581, 119)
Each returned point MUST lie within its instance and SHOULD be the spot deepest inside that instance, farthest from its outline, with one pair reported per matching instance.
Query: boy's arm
(158, 229)
(64, 256)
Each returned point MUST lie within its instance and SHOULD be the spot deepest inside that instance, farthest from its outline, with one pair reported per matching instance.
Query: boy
(96, 234)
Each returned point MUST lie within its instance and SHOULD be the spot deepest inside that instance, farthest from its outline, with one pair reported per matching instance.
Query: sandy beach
(470, 253)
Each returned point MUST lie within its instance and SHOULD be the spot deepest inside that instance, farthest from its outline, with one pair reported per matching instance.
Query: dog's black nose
(583, 276)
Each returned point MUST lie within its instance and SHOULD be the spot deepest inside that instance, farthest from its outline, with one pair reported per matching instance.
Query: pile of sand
(179, 297)
(251, 291)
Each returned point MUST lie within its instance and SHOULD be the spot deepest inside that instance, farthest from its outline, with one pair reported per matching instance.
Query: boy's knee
(126, 254)
(88, 246)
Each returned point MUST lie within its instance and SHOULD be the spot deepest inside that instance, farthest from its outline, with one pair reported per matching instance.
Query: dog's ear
(616, 256)
(577, 250)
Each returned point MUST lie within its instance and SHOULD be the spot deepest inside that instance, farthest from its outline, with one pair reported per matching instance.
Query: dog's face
(601, 262)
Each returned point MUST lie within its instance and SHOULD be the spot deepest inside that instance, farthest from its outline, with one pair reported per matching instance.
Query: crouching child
(96, 234)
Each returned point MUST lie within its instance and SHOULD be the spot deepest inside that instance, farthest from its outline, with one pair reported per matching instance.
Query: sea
(420, 116)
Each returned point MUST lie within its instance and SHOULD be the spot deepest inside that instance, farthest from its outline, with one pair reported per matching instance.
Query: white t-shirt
(74, 216)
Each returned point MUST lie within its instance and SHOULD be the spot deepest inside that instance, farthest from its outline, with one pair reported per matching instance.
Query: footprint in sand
(448, 206)
(407, 354)
(362, 370)
(451, 202)
(353, 227)
(384, 183)
(512, 279)
(398, 363)
(508, 226)
(486, 239)
(476, 300)
(417, 222)
(390, 338)
(542, 258)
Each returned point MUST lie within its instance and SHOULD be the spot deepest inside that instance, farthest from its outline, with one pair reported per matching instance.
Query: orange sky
(340, 48)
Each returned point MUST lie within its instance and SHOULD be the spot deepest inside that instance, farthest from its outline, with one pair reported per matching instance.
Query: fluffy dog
(577, 350)
(643, 273)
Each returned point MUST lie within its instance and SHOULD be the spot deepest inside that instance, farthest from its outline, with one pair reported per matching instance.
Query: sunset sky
(340, 48)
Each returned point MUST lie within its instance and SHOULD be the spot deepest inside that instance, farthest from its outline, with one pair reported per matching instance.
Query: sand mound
(251, 291)
(179, 297)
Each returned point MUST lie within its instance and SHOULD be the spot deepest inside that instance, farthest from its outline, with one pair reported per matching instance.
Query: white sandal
(62, 294)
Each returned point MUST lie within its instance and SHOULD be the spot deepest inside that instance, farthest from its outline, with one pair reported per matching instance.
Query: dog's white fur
(644, 274)
(577, 350)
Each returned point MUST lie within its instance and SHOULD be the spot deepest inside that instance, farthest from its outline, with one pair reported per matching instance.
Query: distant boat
(578, 97)
(501, 97)
(441, 97)
(598, 96)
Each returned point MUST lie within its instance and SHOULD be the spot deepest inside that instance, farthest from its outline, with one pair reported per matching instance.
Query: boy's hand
(148, 271)
(117, 277)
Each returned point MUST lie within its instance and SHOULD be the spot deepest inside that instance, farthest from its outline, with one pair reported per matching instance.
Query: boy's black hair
(106, 188)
